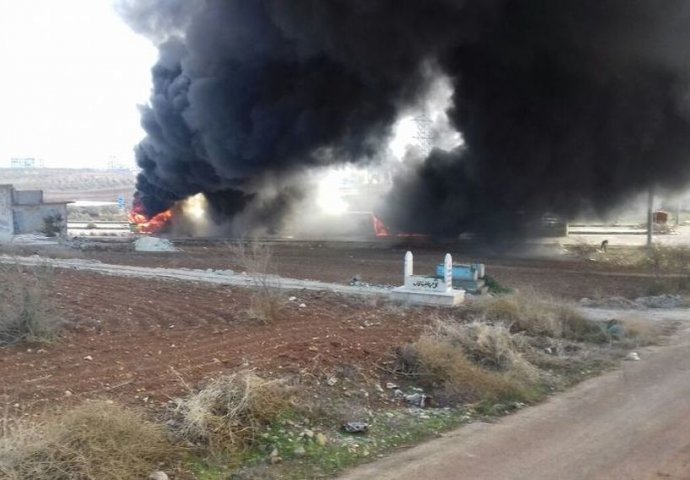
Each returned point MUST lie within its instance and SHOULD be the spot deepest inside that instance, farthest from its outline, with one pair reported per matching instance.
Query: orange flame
(380, 230)
(144, 224)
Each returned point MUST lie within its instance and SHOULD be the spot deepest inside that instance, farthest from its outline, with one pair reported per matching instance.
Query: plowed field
(140, 341)
(339, 262)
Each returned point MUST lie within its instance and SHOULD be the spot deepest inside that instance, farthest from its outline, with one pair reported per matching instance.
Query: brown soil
(339, 262)
(144, 336)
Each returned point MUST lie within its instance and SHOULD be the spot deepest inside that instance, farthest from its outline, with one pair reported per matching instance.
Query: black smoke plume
(563, 105)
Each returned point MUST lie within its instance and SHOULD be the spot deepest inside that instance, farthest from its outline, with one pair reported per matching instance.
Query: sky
(71, 76)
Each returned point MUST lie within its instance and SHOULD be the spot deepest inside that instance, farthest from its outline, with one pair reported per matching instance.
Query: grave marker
(409, 267)
(448, 277)
(428, 289)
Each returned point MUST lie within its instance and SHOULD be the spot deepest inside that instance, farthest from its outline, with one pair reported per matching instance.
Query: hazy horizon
(74, 75)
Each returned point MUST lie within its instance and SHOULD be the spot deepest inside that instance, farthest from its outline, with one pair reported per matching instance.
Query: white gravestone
(409, 266)
(448, 271)
(428, 289)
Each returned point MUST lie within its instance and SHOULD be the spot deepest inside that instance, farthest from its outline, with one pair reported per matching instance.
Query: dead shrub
(26, 311)
(16, 435)
(491, 346)
(96, 441)
(265, 306)
(266, 300)
(471, 362)
(438, 364)
(639, 331)
(539, 314)
(227, 413)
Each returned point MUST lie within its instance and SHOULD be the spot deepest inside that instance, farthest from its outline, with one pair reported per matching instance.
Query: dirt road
(339, 262)
(633, 423)
(221, 277)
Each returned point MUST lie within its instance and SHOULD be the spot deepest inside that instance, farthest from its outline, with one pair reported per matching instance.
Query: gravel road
(210, 276)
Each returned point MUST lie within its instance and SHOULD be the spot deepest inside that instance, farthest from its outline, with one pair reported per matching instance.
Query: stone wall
(31, 218)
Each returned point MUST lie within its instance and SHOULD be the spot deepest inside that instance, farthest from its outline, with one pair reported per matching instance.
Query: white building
(25, 211)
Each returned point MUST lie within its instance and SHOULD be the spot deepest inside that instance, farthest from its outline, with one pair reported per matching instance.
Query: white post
(650, 217)
(409, 268)
(448, 267)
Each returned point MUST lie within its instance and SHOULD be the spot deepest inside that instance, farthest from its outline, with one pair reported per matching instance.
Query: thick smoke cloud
(562, 105)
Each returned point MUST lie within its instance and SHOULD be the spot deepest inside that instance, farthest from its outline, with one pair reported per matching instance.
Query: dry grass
(440, 365)
(471, 363)
(671, 260)
(582, 249)
(491, 346)
(538, 314)
(97, 441)
(25, 306)
(639, 331)
(16, 437)
(497, 354)
(228, 412)
(266, 300)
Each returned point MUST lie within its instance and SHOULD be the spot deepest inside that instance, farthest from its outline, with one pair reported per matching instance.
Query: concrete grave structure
(428, 289)
(25, 212)
(470, 278)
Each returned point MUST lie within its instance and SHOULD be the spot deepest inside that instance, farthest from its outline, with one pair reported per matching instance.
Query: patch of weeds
(538, 314)
(440, 366)
(26, 309)
(581, 249)
(668, 260)
(225, 416)
(495, 287)
(636, 331)
(205, 469)
(98, 440)
(568, 364)
(302, 456)
(266, 300)
(514, 348)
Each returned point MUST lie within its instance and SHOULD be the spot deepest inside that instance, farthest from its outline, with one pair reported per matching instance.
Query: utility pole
(425, 133)
(650, 217)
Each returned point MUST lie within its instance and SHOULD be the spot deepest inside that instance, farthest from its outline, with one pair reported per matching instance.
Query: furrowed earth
(142, 335)
(144, 342)
(134, 339)
(381, 263)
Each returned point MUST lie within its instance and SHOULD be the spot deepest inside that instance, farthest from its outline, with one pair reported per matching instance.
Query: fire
(380, 229)
(144, 224)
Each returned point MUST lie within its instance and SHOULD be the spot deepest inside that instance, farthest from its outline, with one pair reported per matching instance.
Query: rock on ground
(158, 476)
(153, 244)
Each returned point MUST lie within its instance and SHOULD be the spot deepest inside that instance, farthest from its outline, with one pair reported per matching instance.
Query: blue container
(460, 272)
